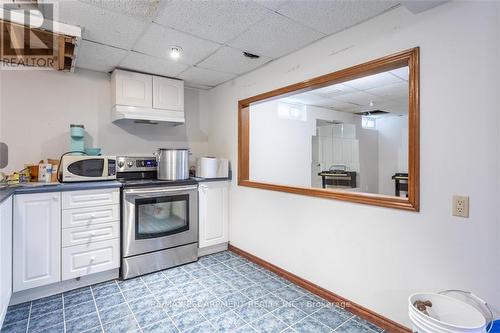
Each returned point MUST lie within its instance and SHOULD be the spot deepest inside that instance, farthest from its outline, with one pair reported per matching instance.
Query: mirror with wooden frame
(350, 135)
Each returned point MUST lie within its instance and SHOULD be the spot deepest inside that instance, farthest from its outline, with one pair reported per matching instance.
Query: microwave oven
(87, 168)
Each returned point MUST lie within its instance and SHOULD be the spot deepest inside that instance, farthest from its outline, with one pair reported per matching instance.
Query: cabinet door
(326, 151)
(355, 151)
(90, 258)
(214, 213)
(168, 94)
(337, 154)
(37, 240)
(6, 256)
(90, 198)
(346, 151)
(132, 89)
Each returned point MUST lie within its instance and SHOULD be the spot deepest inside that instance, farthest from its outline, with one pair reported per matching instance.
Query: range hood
(125, 113)
(146, 98)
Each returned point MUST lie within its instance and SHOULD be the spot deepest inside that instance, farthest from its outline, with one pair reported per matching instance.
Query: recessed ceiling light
(175, 52)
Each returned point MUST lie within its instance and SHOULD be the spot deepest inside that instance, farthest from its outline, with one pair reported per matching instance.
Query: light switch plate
(460, 206)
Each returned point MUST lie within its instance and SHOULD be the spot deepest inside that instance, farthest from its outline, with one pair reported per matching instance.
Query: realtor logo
(26, 38)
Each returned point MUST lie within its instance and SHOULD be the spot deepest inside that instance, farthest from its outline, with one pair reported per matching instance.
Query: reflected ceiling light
(251, 55)
(175, 52)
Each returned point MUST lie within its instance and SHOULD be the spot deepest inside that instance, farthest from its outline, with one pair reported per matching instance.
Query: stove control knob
(121, 164)
(130, 164)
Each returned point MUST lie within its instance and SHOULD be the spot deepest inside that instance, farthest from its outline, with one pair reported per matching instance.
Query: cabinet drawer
(90, 198)
(90, 234)
(84, 217)
(96, 257)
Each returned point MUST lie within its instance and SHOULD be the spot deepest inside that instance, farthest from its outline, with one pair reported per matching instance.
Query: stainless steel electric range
(159, 218)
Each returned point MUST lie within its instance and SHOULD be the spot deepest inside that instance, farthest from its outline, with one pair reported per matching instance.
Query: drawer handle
(93, 216)
(92, 233)
(92, 259)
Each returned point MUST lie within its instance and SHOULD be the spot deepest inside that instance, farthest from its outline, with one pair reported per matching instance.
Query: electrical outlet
(460, 206)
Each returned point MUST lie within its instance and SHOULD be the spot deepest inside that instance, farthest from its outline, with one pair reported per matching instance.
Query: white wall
(37, 107)
(377, 256)
(281, 149)
(392, 150)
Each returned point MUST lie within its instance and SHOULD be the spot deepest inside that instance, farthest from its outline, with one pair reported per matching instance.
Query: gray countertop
(60, 187)
(54, 187)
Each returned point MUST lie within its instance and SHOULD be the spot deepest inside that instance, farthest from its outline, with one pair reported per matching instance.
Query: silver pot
(173, 164)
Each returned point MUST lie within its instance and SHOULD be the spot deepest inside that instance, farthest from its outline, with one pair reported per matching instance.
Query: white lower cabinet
(90, 198)
(90, 258)
(213, 213)
(6, 256)
(83, 217)
(59, 236)
(90, 232)
(37, 240)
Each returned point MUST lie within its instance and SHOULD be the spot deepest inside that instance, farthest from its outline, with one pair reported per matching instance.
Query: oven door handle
(158, 190)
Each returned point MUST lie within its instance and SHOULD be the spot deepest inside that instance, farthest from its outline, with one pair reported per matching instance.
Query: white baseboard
(212, 249)
(59, 287)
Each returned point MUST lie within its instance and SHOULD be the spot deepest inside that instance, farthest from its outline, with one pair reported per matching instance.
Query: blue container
(77, 131)
(495, 328)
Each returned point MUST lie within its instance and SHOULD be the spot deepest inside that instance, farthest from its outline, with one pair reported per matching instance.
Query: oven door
(159, 218)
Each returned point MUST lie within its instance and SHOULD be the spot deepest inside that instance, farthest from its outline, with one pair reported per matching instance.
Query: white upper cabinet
(214, 213)
(37, 240)
(132, 89)
(168, 94)
(146, 98)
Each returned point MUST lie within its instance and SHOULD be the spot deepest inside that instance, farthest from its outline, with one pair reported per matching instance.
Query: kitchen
(253, 241)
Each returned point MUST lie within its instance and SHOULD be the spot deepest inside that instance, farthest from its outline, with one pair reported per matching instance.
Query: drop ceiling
(136, 34)
(387, 91)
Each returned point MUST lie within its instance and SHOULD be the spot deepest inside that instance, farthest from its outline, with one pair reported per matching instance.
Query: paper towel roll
(208, 167)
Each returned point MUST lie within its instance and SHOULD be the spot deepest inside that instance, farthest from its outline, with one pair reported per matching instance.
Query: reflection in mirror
(349, 136)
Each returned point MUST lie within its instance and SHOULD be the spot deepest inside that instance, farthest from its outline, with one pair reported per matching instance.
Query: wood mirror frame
(408, 58)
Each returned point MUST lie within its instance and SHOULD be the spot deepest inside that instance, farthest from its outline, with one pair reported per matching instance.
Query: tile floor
(220, 293)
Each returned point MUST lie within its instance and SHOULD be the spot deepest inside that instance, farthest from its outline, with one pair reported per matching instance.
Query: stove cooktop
(141, 171)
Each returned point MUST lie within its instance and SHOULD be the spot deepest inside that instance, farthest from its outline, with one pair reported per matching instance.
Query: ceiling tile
(333, 16)
(359, 97)
(219, 21)
(230, 60)
(308, 99)
(197, 86)
(206, 77)
(275, 36)
(333, 90)
(98, 57)
(157, 40)
(148, 64)
(392, 91)
(141, 9)
(101, 25)
(373, 81)
(271, 4)
(341, 106)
